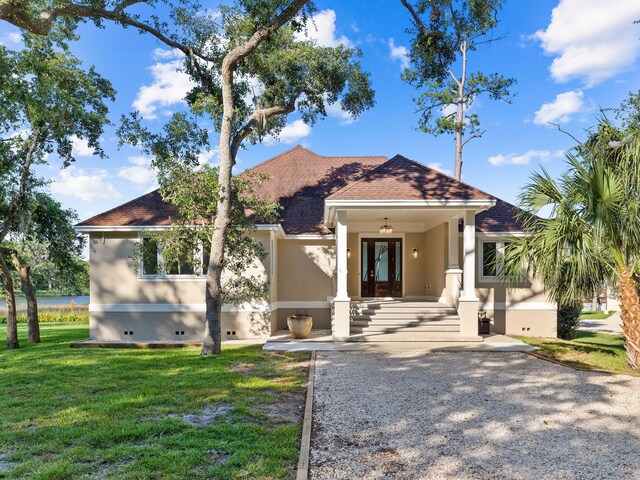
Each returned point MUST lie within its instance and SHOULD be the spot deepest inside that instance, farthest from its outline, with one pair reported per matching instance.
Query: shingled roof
(301, 181)
(404, 179)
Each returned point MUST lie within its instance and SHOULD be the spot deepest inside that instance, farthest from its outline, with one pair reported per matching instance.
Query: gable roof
(299, 178)
(145, 211)
(302, 180)
(502, 217)
(404, 179)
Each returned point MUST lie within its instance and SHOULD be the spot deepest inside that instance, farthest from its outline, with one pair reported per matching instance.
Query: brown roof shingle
(146, 211)
(502, 217)
(404, 179)
(301, 180)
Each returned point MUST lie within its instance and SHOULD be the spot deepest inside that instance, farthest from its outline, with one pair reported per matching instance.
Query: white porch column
(341, 302)
(469, 285)
(468, 306)
(453, 274)
(341, 255)
(453, 244)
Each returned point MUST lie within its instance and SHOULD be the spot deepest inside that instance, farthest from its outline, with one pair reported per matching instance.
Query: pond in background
(43, 301)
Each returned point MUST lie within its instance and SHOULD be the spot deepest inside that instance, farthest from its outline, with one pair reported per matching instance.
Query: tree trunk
(33, 322)
(630, 314)
(12, 319)
(212, 342)
(460, 113)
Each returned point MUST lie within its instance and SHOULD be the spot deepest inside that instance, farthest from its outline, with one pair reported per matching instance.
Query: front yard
(136, 414)
(588, 350)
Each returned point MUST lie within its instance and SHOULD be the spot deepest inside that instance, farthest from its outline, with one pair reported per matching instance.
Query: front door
(381, 267)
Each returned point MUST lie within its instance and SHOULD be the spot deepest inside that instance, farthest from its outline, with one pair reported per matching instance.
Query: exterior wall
(435, 261)
(147, 326)
(414, 268)
(157, 308)
(524, 310)
(305, 280)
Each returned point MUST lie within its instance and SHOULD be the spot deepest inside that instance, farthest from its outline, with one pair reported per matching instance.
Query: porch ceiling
(402, 220)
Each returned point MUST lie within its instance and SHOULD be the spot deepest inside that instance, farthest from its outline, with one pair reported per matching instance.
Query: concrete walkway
(611, 325)
(321, 340)
(470, 415)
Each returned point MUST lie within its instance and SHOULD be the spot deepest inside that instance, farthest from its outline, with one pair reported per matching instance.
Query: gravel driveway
(470, 415)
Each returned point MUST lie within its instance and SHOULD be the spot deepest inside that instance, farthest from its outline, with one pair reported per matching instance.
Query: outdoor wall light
(414, 252)
(348, 253)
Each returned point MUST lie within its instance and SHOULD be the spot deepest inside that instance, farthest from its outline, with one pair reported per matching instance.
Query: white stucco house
(373, 248)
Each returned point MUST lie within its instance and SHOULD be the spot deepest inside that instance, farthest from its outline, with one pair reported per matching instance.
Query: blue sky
(570, 57)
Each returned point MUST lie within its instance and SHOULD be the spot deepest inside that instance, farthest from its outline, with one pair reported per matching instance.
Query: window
(489, 256)
(491, 253)
(185, 266)
(150, 256)
(206, 251)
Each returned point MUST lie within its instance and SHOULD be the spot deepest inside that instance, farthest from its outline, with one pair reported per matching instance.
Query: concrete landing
(321, 340)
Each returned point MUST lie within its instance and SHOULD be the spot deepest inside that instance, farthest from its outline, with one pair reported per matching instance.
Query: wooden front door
(381, 267)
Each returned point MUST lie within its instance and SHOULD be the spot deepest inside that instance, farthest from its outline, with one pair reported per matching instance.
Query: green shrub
(53, 314)
(568, 320)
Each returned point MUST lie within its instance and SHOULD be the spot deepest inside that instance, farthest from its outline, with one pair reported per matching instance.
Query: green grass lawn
(595, 315)
(136, 414)
(588, 350)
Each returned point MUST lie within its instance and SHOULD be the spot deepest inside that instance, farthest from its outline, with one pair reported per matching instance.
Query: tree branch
(557, 125)
(475, 135)
(15, 12)
(455, 79)
(418, 21)
(22, 190)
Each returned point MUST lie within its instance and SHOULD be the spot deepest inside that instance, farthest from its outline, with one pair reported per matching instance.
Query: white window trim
(500, 246)
(163, 275)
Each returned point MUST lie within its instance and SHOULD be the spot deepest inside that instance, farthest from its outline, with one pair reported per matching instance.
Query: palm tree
(591, 230)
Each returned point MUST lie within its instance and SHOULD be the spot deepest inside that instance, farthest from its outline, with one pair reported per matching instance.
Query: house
(371, 247)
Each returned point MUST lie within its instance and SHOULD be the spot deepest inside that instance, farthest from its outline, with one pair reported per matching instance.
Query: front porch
(411, 282)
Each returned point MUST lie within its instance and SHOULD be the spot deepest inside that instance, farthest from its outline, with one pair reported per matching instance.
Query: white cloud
(10, 39)
(335, 110)
(166, 54)
(525, 158)
(81, 147)
(206, 156)
(438, 166)
(399, 53)
(290, 133)
(561, 109)
(169, 85)
(75, 182)
(139, 172)
(321, 27)
(592, 40)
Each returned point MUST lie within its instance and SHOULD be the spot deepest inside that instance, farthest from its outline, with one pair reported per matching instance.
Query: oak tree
(46, 101)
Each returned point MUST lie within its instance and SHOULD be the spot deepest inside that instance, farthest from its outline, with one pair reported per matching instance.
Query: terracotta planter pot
(300, 325)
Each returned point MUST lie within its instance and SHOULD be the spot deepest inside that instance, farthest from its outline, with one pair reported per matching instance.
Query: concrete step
(411, 317)
(384, 305)
(412, 337)
(404, 329)
(406, 311)
(396, 322)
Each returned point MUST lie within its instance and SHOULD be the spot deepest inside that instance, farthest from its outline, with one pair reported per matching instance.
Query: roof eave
(331, 206)
(158, 228)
